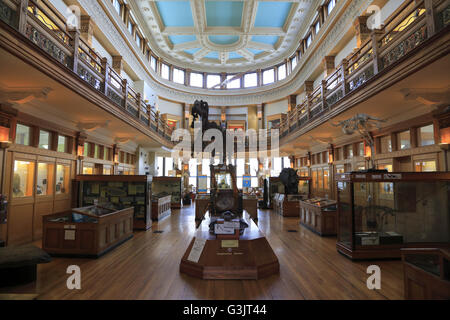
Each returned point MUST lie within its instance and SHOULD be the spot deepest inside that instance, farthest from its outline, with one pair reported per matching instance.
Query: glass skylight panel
(197, 80)
(268, 76)
(282, 72)
(165, 71)
(213, 80)
(178, 76)
(250, 80)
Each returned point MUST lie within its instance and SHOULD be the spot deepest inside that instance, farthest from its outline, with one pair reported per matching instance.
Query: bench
(18, 265)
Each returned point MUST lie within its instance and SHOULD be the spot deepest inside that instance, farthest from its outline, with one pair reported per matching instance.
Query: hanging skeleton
(362, 123)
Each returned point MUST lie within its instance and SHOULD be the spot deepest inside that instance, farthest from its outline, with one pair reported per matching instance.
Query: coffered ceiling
(225, 35)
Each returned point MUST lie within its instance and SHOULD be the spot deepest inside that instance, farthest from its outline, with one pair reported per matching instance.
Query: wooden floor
(147, 267)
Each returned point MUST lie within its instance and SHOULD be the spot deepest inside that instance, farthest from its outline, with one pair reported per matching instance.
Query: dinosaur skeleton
(362, 123)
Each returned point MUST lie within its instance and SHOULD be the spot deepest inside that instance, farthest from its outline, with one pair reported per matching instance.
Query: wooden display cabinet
(90, 231)
(201, 206)
(426, 274)
(161, 207)
(380, 213)
(120, 191)
(250, 204)
(319, 215)
(164, 186)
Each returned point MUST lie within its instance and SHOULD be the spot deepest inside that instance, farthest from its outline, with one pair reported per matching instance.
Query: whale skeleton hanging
(227, 81)
(362, 124)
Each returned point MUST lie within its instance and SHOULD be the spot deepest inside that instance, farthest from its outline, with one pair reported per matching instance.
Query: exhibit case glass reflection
(379, 213)
(117, 192)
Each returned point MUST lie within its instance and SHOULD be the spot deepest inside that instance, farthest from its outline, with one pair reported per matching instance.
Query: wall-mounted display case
(319, 215)
(119, 192)
(90, 231)
(379, 213)
(164, 186)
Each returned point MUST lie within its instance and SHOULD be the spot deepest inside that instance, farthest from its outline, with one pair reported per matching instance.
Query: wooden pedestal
(253, 258)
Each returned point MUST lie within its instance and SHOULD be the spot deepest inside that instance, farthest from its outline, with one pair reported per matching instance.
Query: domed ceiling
(225, 35)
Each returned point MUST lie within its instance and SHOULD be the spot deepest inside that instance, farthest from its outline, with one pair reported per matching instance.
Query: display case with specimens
(379, 213)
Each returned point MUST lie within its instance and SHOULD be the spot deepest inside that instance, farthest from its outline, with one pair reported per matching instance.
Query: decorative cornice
(330, 35)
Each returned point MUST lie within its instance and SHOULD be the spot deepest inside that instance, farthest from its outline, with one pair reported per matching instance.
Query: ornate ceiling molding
(330, 35)
(297, 22)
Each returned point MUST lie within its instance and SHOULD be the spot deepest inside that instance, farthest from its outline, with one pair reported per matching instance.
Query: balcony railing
(415, 22)
(44, 27)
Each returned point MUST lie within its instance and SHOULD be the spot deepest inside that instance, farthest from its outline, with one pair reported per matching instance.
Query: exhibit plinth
(249, 258)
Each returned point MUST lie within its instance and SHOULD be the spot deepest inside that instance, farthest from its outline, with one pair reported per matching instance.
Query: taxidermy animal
(290, 180)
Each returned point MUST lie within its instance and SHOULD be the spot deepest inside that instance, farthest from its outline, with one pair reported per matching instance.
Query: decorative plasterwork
(297, 22)
(23, 95)
(330, 35)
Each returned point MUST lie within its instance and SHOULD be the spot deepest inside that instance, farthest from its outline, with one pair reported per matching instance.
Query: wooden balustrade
(47, 29)
(415, 22)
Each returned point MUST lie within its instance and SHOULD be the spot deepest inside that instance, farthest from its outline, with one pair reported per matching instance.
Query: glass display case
(275, 187)
(118, 192)
(165, 186)
(89, 231)
(319, 215)
(23, 179)
(426, 273)
(381, 212)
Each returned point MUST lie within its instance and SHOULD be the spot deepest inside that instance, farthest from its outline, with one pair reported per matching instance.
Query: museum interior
(211, 150)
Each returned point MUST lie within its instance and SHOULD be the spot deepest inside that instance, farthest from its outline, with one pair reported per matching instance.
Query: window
(426, 135)
(268, 76)
(281, 72)
(23, 134)
(168, 166)
(254, 167)
(331, 6)
(193, 172)
(165, 71)
(62, 179)
(286, 162)
(86, 149)
(22, 185)
(196, 80)
(44, 184)
(294, 62)
(404, 140)
(349, 152)
(153, 63)
(425, 166)
(117, 5)
(130, 27)
(106, 153)
(178, 76)
(361, 149)
(235, 84)
(138, 40)
(387, 167)
(62, 144)
(308, 40)
(96, 151)
(276, 167)
(317, 27)
(250, 80)
(213, 80)
(160, 166)
(386, 144)
(88, 168)
(44, 140)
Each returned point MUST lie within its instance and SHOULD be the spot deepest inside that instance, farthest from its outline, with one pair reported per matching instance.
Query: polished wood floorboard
(147, 267)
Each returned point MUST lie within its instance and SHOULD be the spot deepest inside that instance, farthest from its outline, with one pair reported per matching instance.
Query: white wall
(101, 50)
(61, 7)
(125, 75)
(389, 8)
(275, 108)
(348, 49)
(169, 107)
